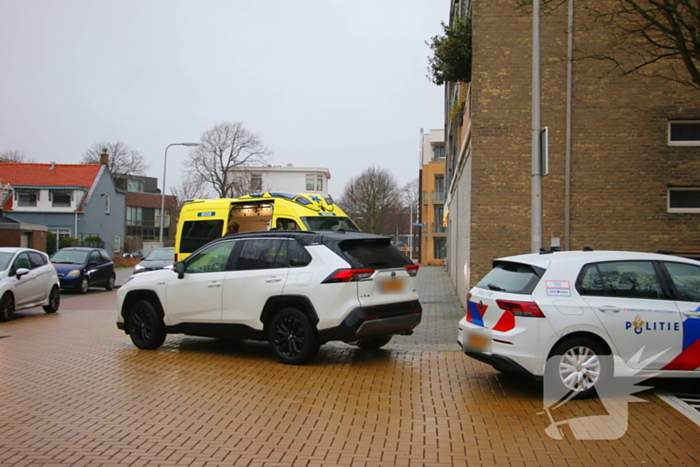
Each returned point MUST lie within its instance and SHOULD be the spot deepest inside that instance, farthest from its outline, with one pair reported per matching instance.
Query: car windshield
(161, 254)
(5, 260)
(329, 223)
(69, 257)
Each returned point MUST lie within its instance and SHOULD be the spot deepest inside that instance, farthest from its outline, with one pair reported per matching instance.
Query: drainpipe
(569, 86)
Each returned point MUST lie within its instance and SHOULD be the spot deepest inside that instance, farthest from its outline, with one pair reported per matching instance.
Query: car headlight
(128, 279)
(138, 267)
(74, 273)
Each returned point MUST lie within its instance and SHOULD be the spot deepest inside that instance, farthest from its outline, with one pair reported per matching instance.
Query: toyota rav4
(295, 289)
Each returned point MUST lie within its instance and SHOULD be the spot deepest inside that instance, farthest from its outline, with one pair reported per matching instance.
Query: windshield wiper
(495, 287)
(63, 262)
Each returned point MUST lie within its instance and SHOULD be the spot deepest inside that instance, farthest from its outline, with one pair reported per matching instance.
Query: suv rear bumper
(376, 321)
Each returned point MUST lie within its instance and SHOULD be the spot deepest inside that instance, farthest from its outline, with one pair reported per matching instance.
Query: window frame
(680, 210)
(28, 193)
(681, 143)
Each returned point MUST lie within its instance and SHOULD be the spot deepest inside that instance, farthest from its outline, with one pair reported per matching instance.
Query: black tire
(54, 300)
(292, 337)
(111, 282)
(373, 343)
(7, 307)
(146, 327)
(84, 285)
(577, 366)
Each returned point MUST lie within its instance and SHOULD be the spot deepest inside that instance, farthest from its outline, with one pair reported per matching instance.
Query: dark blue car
(80, 268)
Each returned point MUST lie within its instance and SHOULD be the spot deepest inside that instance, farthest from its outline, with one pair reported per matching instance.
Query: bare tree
(15, 155)
(659, 38)
(221, 150)
(650, 32)
(188, 189)
(373, 200)
(411, 196)
(123, 160)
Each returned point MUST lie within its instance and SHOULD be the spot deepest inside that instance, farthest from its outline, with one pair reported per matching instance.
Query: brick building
(634, 152)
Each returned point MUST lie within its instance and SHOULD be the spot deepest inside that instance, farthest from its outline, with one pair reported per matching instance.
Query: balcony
(425, 197)
(438, 229)
(438, 196)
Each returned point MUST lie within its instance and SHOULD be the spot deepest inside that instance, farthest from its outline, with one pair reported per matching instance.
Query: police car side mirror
(180, 269)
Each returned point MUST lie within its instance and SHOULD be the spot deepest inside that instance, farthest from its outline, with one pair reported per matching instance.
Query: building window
(60, 198)
(117, 244)
(684, 199)
(107, 206)
(27, 197)
(166, 220)
(439, 248)
(256, 183)
(314, 182)
(134, 185)
(439, 153)
(684, 133)
(134, 215)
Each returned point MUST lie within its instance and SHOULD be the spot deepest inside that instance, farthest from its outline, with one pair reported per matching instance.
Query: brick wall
(621, 164)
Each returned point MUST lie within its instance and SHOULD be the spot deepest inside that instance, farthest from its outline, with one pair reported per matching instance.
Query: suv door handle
(273, 279)
(609, 308)
(692, 314)
(214, 284)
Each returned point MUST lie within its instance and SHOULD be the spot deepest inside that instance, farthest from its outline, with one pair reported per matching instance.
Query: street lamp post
(162, 202)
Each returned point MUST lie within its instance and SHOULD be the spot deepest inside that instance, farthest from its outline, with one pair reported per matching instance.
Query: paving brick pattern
(74, 391)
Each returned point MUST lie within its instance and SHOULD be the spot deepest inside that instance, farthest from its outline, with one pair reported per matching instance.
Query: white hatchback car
(27, 279)
(581, 306)
(295, 289)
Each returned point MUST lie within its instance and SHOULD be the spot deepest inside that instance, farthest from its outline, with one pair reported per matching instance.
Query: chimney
(104, 157)
(53, 165)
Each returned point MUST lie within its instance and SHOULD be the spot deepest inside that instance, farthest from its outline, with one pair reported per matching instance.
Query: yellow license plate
(395, 285)
(478, 341)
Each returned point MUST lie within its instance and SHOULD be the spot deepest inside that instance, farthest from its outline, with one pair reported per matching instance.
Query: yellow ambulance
(203, 220)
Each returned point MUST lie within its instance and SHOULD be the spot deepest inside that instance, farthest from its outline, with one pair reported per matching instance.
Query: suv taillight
(412, 269)
(529, 309)
(348, 275)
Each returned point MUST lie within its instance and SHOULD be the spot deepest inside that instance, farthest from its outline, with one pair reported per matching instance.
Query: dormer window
(27, 198)
(60, 198)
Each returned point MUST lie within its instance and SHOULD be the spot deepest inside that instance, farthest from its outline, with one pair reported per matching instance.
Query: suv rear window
(512, 278)
(375, 254)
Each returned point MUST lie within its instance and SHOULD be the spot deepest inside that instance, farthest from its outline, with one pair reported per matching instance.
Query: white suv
(296, 290)
(641, 309)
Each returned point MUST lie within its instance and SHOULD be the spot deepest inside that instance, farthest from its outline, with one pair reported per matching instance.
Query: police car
(582, 308)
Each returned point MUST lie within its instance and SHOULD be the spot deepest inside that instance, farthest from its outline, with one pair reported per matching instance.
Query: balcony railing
(437, 228)
(438, 196)
(425, 197)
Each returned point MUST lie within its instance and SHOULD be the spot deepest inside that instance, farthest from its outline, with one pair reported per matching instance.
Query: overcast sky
(324, 83)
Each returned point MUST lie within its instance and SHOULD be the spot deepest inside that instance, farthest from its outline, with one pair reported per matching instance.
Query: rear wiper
(495, 287)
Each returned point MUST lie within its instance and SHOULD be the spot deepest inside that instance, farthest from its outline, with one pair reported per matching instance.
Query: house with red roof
(71, 200)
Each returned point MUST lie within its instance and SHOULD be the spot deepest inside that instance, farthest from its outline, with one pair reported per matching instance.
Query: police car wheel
(576, 366)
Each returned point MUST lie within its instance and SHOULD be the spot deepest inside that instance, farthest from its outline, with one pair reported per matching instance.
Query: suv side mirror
(180, 269)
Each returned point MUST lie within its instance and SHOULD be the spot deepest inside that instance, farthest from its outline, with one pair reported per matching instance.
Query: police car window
(196, 234)
(263, 253)
(514, 278)
(628, 279)
(211, 259)
(686, 280)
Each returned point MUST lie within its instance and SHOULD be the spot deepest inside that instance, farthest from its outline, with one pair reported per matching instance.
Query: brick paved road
(74, 391)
